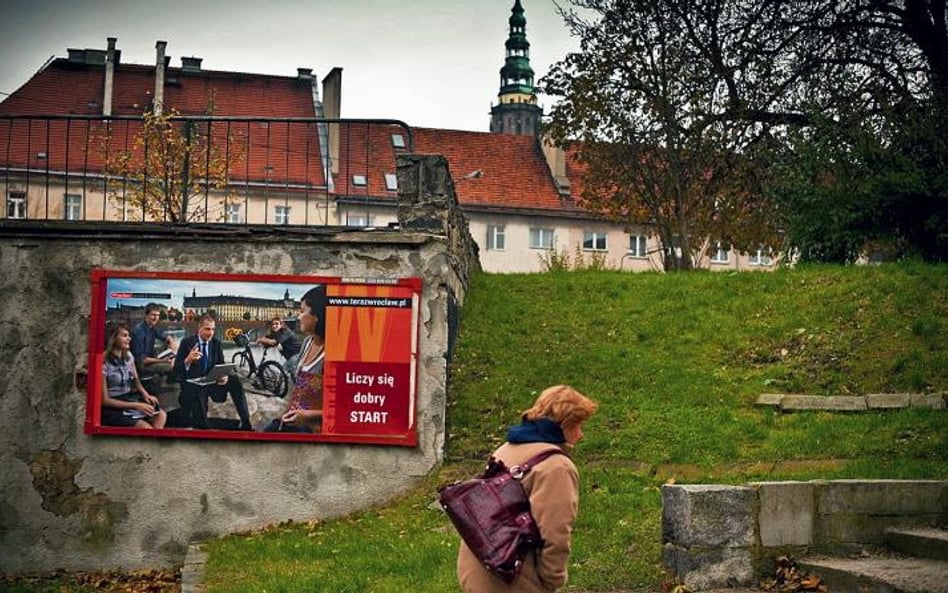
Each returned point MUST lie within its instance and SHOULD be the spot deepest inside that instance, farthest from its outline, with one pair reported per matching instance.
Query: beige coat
(553, 488)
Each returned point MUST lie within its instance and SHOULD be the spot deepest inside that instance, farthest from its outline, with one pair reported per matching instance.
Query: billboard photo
(253, 357)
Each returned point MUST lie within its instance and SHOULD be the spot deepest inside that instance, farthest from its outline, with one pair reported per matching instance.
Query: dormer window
(391, 182)
(359, 180)
(398, 141)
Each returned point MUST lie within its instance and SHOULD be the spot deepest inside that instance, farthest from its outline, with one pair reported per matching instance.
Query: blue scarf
(541, 430)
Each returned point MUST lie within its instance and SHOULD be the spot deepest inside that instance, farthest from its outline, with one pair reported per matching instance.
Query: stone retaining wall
(74, 501)
(725, 536)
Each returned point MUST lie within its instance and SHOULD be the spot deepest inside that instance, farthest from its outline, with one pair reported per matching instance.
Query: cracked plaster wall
(74, 501)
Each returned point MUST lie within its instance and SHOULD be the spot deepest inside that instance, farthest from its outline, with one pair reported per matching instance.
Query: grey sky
(431, 63)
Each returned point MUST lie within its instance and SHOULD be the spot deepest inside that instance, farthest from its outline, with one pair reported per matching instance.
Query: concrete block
(786, 513)
(708, 515)
(935, 401)
(887, 401)
(705, 569)
(830, 403)
(769, 399)
(842, 528)
(882, 497)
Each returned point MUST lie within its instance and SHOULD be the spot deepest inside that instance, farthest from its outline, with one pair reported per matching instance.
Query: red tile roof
(230, 94)
(514, 172)
(278, 151)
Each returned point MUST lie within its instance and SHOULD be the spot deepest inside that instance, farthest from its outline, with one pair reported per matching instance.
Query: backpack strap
(518, 471)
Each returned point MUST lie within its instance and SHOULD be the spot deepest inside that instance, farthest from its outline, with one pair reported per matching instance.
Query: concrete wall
(725, 536)
(73, 501)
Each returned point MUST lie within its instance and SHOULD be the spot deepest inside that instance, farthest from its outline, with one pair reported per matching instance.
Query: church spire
(517, 112)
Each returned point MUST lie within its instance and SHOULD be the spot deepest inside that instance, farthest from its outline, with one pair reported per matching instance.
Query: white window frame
(16, 204)
(233, 213)
(638, 246)
(593, 239)
(719, 253)
(72, 207)
(542, 238)
(281, 214)
(761, 257)
(398, 141)
(391, 182)
(496, 238)
(360, 180)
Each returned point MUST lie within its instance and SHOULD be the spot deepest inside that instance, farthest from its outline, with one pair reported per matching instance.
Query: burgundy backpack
(492, 514)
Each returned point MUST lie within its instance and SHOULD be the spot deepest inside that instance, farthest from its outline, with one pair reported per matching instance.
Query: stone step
(921, 542)
(879, 574)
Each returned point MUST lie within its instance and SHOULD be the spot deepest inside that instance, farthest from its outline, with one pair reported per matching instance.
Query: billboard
(253, 357)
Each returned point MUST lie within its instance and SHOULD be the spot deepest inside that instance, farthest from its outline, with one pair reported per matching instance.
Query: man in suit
(196, 356)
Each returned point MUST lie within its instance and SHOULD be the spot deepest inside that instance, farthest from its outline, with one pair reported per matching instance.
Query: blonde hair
(562, 404)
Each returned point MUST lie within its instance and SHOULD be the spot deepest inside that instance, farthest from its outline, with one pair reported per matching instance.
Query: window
(496, 240)
(761, 257)
(720, 253)
(233, 214)
(637, 245)
(391, 182)
(359, 180)
(359, 220)
(72, 207)
(398, 141)
(16, 204)
(281, 215)
(541, 238)
(594, 241)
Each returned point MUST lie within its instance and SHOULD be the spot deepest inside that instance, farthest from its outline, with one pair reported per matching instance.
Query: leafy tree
(648, 101)
(171, 169)
(682, 106)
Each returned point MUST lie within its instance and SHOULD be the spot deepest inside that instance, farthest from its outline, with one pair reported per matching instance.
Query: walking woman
(555, 420)
(125, 402)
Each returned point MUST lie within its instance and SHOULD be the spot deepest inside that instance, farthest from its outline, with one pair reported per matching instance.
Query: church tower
(517, 112)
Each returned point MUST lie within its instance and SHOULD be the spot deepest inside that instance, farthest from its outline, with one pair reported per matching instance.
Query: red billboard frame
(371, 351)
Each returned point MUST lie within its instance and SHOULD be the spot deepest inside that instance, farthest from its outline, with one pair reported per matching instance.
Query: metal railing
(178, 169)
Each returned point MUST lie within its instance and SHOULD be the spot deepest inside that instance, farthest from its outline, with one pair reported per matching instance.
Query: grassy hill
(676, 362)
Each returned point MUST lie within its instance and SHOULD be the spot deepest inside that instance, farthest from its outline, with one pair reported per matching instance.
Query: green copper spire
(517, 76)
(517, 112)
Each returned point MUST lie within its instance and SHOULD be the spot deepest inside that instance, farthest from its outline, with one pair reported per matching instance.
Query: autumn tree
(708, 118)
(869, 171)
(175, 169)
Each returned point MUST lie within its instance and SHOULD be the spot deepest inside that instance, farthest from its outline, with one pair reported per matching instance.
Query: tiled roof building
(522, 198)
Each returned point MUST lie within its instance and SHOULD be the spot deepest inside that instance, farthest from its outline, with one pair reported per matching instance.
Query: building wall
(74, 501)
(259, 205)
(568, 239)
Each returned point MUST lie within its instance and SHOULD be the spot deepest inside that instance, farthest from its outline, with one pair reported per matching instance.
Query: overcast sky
(431, 63)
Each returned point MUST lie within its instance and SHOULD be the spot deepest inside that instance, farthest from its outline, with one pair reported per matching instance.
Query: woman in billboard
(304, 413)
(125, 402)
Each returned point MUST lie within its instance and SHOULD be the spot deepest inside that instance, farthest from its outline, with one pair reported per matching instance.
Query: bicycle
(269, 373)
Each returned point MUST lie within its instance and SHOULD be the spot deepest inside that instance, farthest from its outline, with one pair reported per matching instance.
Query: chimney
(191, 64)
(304, 74)
(332, 99)
(556, 161)
(160, 76)
(109, 77)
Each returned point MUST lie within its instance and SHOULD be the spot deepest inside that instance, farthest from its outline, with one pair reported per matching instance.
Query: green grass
(676, 362)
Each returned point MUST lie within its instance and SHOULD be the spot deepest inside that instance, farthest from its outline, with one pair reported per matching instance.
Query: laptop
(218, 371)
